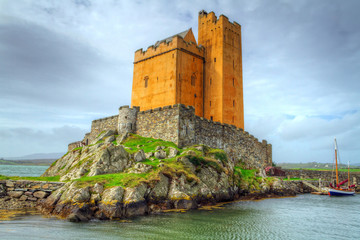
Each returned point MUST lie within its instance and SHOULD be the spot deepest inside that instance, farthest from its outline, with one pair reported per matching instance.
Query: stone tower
(223, 84)
(127, 119)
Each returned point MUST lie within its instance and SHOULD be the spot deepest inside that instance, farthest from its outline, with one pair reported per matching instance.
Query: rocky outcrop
(162, 177)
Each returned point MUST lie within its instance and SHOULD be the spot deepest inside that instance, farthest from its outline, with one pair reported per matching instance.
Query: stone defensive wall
(177, 43)
(159, 123)
(24, 190)
(324, 175)
(102, 124)
(179, 124)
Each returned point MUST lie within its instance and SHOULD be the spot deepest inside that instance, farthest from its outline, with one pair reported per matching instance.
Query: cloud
(65, 63)
(14, 141)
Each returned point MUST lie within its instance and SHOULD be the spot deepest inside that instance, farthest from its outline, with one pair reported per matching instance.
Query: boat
(339, 189)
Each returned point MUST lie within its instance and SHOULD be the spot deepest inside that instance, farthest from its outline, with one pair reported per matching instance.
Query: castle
(190, 93)
(207, 75)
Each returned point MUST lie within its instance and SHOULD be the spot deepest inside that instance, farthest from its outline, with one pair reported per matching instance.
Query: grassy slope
(169, 167)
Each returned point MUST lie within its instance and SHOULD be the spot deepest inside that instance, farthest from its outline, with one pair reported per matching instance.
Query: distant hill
(38, 162)
(314, 165)
(37, 156)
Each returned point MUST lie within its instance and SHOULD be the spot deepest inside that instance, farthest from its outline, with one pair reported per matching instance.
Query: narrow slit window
(211, 117)
(233, 103)
(210, 81)
(193, 79)
(146, 79)
(214, 59)
(210, 103)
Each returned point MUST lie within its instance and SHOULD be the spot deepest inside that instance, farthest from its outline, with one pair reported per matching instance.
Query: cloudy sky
(65, 63)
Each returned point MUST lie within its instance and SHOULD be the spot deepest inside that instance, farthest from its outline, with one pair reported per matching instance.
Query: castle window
(146, 79)
(233, 103)
(193, 59)
(214, 59)
(211, 118)
(210, 81)
(193, 79)
(210, 103)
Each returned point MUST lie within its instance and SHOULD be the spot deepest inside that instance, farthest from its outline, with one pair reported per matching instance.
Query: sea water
(303, 217)
(22, 170)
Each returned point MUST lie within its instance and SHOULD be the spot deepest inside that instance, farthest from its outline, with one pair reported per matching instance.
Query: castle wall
(159, 123)
(102, 124)
(179, 124)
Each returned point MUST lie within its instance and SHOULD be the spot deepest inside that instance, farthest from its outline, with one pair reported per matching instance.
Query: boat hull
(336, 192)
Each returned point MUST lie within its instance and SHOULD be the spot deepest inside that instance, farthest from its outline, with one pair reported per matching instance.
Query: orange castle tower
(207, 75)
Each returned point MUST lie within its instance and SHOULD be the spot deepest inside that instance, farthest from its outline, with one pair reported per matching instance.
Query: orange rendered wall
(161, 87)
(223, 91)
(169, 69)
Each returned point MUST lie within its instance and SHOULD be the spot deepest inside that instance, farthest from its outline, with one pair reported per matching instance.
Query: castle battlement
(173, 43)
(212, 18)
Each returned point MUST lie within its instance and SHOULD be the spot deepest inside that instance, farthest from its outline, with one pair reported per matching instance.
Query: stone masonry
(26, 191)
(179, 124)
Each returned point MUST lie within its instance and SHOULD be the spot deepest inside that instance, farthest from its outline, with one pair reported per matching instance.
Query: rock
(200, 148)
(110, 139)
(184, 204)
(159, 148)
(172, 152)
(160, 191)
(122, 137)
(187, 163)
(141, 168)
(98, 188)
(9, 184)
(139, 156)
(113, 195)
(2, 190)
(15, 194)
(32, 199)
(160, 154)
(23, 198)
(190, 152)
(28, 193)
(135, 194)
(40, 194)
(104, 135)
(74, 194)
(77, 217)
(111, 160)
(149, 155)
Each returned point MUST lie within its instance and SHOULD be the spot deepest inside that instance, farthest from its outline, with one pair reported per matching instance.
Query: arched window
(146, 79)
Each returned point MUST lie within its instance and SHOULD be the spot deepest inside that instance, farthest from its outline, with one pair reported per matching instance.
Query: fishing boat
(339, 189)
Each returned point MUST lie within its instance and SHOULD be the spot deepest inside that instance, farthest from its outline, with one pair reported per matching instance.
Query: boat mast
(348, 174)
(337, 175)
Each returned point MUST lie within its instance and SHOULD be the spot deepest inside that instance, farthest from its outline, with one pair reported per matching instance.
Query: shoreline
(34, 208)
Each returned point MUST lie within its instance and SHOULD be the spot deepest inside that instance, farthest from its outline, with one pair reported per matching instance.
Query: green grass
(118, 179)
(298, 179)
(49, 179)
(201, 161)
(324, 169)
(218, 154)
(136, 142)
